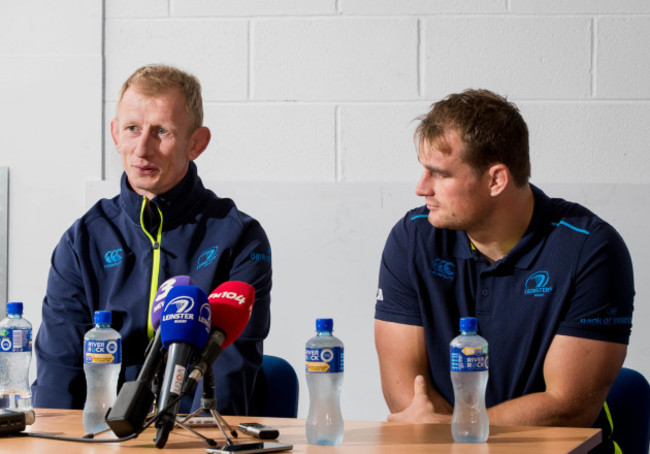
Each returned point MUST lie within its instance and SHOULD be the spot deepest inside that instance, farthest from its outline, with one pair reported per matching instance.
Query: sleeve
(397, 301)
(236, 370)
(60, 381)
(602, 303)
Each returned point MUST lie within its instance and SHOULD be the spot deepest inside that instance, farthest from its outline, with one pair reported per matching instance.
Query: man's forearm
(543, 409)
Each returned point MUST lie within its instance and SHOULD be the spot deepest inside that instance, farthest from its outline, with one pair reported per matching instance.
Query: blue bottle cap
(324, 324)
(468, 324)
(102, 317)
(15, 308)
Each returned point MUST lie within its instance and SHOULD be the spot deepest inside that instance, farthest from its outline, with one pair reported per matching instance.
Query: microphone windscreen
(186, 317)
(161, 294)
(231, 304)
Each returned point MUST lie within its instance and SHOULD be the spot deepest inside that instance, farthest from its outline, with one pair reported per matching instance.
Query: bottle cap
(102, 317)
(15, 308)
(324, 324)
(468, 324)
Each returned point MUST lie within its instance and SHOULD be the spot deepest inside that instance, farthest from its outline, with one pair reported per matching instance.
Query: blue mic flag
(186, 317)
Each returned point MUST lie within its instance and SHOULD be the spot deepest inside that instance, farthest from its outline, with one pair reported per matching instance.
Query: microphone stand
(209, 405)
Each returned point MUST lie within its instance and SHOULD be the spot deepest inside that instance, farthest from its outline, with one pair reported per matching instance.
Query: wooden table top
(361, 437)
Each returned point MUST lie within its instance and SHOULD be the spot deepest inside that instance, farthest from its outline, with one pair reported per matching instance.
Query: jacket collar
(176, 204)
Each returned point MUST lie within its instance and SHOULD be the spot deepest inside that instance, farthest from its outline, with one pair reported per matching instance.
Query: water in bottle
(102, 363)
(324, 370)
(469, 376)
(15, 356)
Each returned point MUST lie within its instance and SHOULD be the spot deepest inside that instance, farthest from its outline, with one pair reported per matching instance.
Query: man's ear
(115, 133)
(199, 142)
(499, 178)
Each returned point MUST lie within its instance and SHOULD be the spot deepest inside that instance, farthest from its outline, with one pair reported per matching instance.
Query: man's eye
(131, 128)
(162, 131)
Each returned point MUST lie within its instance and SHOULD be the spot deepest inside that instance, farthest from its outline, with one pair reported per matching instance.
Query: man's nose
(144, 144)
(424, 187)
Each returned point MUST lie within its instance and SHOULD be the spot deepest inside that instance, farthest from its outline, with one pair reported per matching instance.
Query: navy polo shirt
(570, 274)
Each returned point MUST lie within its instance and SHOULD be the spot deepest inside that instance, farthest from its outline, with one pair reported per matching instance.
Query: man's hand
(421, 409)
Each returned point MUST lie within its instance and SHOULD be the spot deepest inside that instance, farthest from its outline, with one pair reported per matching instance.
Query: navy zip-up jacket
(115, 257)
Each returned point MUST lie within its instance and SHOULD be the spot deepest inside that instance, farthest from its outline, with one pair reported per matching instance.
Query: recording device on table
(12, 422)
(262, 446)
(258, 430)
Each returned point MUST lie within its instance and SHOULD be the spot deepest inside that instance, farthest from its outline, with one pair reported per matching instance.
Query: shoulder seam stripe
(572, 227)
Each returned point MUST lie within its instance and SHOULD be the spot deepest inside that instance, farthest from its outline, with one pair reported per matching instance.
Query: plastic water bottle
(102, 364)
(324, 370)
(469, 376)
(15, 356)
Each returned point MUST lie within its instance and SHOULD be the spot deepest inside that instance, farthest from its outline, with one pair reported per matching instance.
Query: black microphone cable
(88, 438)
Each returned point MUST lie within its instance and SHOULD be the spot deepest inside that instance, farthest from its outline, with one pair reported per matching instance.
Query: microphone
(135, 399)
(231, 304)
(184, 328)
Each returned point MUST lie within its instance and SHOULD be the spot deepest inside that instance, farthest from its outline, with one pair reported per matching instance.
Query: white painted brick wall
(214, 50)
(582, 7)
(423, 6)
(203, 8)
(388, 154)
(132, 9)
(335, 59)
(515, 56)
(245, 144)
(622, 57)
(595, 139)
(35, 27)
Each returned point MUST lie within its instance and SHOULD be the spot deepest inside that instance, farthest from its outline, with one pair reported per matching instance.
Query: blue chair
(629, 404)
(277, 393)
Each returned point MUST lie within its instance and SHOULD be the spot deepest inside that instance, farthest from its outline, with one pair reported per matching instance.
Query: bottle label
(107, 351)
(16, 340)
(324, 360)
(469, 359)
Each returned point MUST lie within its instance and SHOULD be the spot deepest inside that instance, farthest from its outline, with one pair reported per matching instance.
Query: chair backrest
(629, 404)
(281, 398)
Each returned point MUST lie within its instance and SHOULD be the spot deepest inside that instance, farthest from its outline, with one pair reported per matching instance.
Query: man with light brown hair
(550, 283)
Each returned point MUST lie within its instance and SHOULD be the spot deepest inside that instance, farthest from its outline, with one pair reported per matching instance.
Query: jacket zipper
(155, 269)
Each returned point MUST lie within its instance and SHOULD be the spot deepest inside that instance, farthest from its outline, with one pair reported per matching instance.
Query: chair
(629, 404)
(277, 394)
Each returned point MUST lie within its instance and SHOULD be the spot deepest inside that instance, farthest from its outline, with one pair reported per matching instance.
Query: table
(361, 437)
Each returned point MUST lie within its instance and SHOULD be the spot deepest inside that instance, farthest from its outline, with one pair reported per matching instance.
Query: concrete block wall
(317, 97)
